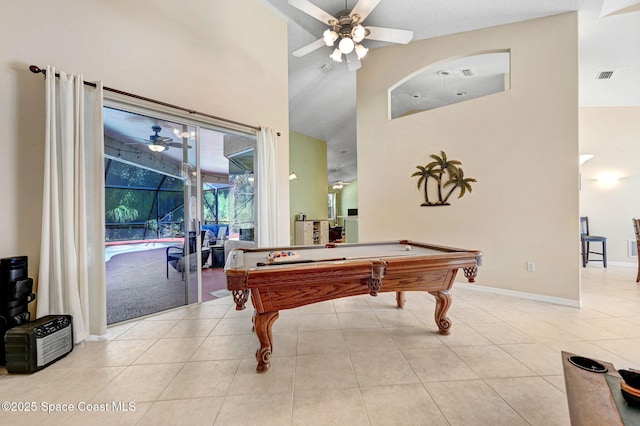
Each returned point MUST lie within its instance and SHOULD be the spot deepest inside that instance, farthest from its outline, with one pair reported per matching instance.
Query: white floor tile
(357, 360)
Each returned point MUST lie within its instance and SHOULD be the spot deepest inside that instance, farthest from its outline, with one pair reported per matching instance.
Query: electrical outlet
(531, 266)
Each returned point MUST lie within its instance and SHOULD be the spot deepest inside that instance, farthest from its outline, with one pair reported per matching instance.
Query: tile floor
(350, 362)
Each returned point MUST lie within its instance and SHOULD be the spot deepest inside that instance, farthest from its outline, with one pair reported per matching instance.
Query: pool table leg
(400, 299)
(263, 323)
(443, 302)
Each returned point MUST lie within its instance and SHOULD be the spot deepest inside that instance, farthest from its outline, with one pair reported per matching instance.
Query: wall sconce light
(608, 179)
(292, 175)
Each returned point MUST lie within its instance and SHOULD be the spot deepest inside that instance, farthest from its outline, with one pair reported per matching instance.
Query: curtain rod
(37, 70)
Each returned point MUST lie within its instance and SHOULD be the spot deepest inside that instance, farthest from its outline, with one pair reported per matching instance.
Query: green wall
(346, 198)
(308, 193)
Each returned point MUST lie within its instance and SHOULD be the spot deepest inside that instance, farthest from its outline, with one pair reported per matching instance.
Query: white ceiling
(323, 104)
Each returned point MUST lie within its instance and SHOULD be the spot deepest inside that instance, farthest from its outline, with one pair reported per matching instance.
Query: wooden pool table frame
(294, 285)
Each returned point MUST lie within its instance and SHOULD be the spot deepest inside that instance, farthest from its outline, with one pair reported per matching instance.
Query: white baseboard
(521, 295)
(625, 264)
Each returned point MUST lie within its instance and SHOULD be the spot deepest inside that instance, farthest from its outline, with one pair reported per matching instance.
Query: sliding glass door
(151, 238)
(226, 172)
(175, 193)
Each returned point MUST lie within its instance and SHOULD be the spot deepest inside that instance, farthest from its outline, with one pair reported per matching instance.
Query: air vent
(633, 248)
(605, 75)
(467, 73)
(326, 68)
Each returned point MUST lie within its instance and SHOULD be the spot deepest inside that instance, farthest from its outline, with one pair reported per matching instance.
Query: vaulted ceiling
(322, 93)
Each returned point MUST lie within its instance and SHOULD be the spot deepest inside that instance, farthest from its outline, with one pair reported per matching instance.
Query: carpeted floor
(137, 285)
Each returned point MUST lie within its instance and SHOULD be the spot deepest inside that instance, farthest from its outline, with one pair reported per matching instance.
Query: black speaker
(15, 294)
(13, 268)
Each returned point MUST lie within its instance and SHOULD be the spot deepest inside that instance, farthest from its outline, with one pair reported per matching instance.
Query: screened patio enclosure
(141, 204)
(171, 189)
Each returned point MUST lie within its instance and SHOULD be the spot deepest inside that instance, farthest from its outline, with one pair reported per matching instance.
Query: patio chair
(176, 256)
(218, 241)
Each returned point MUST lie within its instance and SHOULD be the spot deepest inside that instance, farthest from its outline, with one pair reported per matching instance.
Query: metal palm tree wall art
(447, 174)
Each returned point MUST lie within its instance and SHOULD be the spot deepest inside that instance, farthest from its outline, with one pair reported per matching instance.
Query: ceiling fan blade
(363, 8)
(176, 145)
(162, 139)
(390, 35)
(309, 48)
(353, 62)
(312, 10)
(137, 141)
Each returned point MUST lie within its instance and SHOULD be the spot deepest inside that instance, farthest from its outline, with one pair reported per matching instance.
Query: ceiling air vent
(326, 68)
(605, 75)
(467, 73)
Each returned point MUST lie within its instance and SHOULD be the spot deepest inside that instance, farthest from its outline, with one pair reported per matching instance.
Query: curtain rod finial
(36, 70)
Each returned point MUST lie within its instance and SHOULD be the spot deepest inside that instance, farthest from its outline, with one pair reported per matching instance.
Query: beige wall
(165, 50)
(612, 135)
(521, 145)
(308, 158)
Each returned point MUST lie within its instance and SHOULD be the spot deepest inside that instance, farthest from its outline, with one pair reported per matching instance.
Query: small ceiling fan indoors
(339, 184)
(157, 143)
(346, 31)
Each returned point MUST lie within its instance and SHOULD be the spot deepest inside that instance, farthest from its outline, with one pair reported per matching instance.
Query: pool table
(319, 273)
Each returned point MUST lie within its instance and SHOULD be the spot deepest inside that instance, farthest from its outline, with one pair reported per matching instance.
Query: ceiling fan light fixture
(157, 147)
(329, 37)
(184, 135)
(358, 33)
(336, 55)
(337, 185)
(347, 28)
(361, 51)
(346, 45)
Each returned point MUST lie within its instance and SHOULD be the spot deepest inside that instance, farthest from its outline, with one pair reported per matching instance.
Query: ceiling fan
(347, 31)
(157, 143)
(339, 184)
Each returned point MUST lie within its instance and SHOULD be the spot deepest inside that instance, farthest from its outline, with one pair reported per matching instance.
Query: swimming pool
(112, 250)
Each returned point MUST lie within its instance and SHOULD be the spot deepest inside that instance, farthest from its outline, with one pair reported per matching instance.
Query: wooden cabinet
(309, 232)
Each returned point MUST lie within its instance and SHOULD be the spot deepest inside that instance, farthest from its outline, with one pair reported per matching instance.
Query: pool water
(110, 251)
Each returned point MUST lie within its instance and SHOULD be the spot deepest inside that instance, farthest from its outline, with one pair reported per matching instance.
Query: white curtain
(267, 188)
(72, 267)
